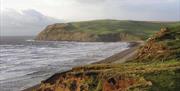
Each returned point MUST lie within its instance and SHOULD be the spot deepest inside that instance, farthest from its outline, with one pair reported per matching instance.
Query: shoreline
(117, 58)
(112, 59)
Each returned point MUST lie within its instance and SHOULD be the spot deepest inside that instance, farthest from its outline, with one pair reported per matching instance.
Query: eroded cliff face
(153, 51)
(158, 46)
(68, 32)
(63, 32)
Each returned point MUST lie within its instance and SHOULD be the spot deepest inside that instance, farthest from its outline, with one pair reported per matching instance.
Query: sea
(25, 62)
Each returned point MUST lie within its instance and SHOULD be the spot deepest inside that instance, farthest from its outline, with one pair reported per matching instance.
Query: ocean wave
(30, 40)
(38, 60)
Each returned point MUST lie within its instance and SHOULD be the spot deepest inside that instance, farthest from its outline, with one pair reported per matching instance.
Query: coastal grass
(130, 67)
(160, 76)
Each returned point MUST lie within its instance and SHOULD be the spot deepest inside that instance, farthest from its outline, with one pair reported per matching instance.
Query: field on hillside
(139, 28)
(102, 31)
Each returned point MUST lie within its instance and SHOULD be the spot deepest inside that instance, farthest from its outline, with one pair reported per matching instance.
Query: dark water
(24, 62)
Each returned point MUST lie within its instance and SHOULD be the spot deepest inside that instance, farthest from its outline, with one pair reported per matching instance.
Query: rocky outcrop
(157, 48)
(152, 51)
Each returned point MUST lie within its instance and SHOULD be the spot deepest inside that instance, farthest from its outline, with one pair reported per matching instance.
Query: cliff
(156, 68)
(99, 30)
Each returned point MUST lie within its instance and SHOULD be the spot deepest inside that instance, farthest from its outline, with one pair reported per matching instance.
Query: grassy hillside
(113, 26)
(117, 77)
(157, 68)
(102, 30)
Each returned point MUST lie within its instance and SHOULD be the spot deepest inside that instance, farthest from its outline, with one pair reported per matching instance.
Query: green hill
(114, 26)
(102, 30)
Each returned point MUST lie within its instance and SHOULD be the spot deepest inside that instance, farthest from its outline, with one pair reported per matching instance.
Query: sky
(28, 17)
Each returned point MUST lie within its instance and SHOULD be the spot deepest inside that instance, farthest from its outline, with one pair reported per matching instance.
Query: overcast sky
(28, 17)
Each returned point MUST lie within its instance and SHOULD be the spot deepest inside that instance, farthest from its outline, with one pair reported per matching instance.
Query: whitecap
(30, 40)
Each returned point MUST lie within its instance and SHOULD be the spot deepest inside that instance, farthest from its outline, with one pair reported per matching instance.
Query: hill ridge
(100, 30)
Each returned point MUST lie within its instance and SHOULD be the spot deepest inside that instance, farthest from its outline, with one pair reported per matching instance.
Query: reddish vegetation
(82, 82)
(118, 85)
(153, 49)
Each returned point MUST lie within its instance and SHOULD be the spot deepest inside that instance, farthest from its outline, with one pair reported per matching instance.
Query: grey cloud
(125, 1)
(31, 21)
(91, 1)
(159, 10)
(27, 22)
